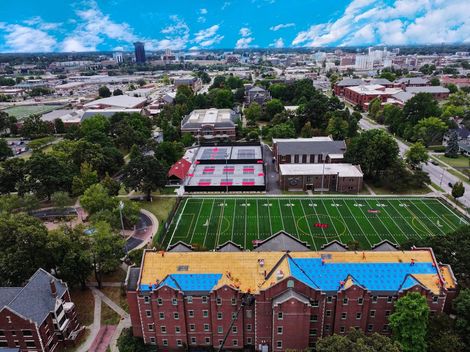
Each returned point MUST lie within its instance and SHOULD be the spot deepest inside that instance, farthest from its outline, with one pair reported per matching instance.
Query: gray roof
(403, 96)
(7, 294)
(9, 349)
(133, 278)
(229, 246)
(382, 81)
(35, 300)
(257, 89)
(310, 147)
(288, 295)
(282, 241)
(350, 82)
(180, 246)
(412, 80)
(385, 246)
(427, 89)
(334, 246)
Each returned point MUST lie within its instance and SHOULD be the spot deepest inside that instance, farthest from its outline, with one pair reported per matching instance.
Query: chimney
(53, 288)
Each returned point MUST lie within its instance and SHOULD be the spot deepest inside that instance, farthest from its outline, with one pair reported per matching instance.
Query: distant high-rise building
(117, 56)
(139, 52)
(364, 62)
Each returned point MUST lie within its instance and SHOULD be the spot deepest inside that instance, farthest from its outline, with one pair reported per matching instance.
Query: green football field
(213, 221)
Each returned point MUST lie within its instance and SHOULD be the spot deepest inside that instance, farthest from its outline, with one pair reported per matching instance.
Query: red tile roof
(180, 169)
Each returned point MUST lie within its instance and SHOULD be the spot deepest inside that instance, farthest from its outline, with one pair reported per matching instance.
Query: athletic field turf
(213, 221)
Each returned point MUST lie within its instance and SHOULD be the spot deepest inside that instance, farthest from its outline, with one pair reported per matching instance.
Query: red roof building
(179, 169)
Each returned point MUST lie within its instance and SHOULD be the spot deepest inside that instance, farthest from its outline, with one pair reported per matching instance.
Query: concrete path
(101, 343)
(371, 191)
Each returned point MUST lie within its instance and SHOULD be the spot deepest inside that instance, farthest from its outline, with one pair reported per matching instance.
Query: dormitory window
(314, 318)
(163, 329)
(374, 299)
(360, 300)
(327, 327)
(192, 327)
(315, 303)
(2, 333)
(279, 330)
(328, 313)
(435, 299)
(152, 340)
(329, 299)
(249, 313)
(219, 301)
(248, 327)
(342, 329)
(150, 326)
(148, 313)
(345, 301)
(26, 333)
(179, 343)
(389, 299)
(189, 299)
(161, 315)
(372, 313)
(146, 299)
(249, 341)
(159, 301)
(370, 327)
(235, 343)
(279, 316)
(204, 299)
(30, 344)
(193, 340)
(279, 344)
(343, 316)
(313, 332)
(234, 316)
(234, 329)
(234, 301)
(176, 315)
(177, 330)
(205, 313)
(165, 342)
(358, 316)
(219, 315)
(387, 313)
(220, 330)
(174, 301)
(385, 328)
(206, 327)
(191, 313)
(208, 340)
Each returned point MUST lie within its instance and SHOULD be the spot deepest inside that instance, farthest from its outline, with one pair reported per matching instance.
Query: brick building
(39, 316)
(211, 124)
(277, 297)
(362, 95)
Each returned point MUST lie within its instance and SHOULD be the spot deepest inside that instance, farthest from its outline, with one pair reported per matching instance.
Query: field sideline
(213, 221)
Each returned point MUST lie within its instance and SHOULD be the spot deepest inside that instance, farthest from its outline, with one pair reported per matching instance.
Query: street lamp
(121, 207)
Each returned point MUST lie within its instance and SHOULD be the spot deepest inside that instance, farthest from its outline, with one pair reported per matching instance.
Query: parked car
(450, 185)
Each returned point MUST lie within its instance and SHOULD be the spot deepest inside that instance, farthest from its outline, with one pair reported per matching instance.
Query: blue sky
(92, 25)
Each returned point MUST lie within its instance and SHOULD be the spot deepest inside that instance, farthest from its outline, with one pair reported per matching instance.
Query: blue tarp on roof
(373, 276)
(188, 282)
(410, 281)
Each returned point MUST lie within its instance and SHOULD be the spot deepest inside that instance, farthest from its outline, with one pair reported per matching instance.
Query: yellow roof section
(246, 270)
(447, 276)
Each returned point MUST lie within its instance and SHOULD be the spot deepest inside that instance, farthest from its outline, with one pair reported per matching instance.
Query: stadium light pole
(323, 172)
(226, 173)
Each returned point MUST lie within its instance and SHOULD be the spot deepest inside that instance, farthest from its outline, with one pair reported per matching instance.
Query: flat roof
(232, 153)
(343, 170)
(217, 117)
(374, 89)
(121, 101)
(316, 145)
(207, 175)
(376, 271)
(427, 89)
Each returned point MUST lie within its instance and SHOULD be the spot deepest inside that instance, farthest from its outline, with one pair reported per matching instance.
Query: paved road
(438, 175)
(272, 186)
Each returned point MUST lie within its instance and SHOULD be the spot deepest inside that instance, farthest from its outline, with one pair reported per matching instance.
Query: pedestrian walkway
(101, 343)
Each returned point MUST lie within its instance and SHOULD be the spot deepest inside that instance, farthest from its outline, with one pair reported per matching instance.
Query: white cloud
(402, 22)
(93, 28)
(208, 37)
(281, 26)
(245, 32)
(177, 36)
(244, 43)
(203, 11)
(278, 43)
(22, 39)
(225, 5)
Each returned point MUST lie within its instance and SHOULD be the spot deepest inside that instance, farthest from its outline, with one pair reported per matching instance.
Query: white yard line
(208, 223)
(177, 222)
(357, 222)
(195, 225)
(308, 224)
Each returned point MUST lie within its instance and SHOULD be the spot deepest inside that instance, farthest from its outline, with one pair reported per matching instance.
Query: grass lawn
(86, 333)
(20, 112)
(160, 207)
(115, 294)
(109, 316)
(383, 191)
(460, 162)
(437, 187)
(117, 275)
(84, 303)
(458, 174)
(211, 222)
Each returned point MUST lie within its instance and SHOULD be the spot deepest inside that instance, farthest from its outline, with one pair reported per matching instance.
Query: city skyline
(82, 26)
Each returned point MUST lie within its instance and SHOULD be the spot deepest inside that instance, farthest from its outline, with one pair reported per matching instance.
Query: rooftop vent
(182, 268)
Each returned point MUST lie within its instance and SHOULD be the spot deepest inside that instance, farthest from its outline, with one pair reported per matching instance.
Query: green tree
(59, 126)
(187, 139)
(70, 251)
(452, 148)
(96, 198)
(452, 88)
(419, 107)
(144, 173)
(375, 150)
(337, 128)
(435, 81)
(130, 129)
(416, 155)
(117, 92)
(253, 112)
(356, 340)
(107, 249)
(388, 75)
(221, 98)
(82, 182)
(48, 174)
(104, 92)
(60, 199)
(458, 190)
(129, 343)
(12, 175)
(409, 322)
(5, 150)
(441, 335)
(462, 309)
(94, 124)
(111, 185)
(430, 130)
(307, 131)
(33, 127)
(272, 108)
(283, 130)
(23, 248)
(169, 152)
(374, 108)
